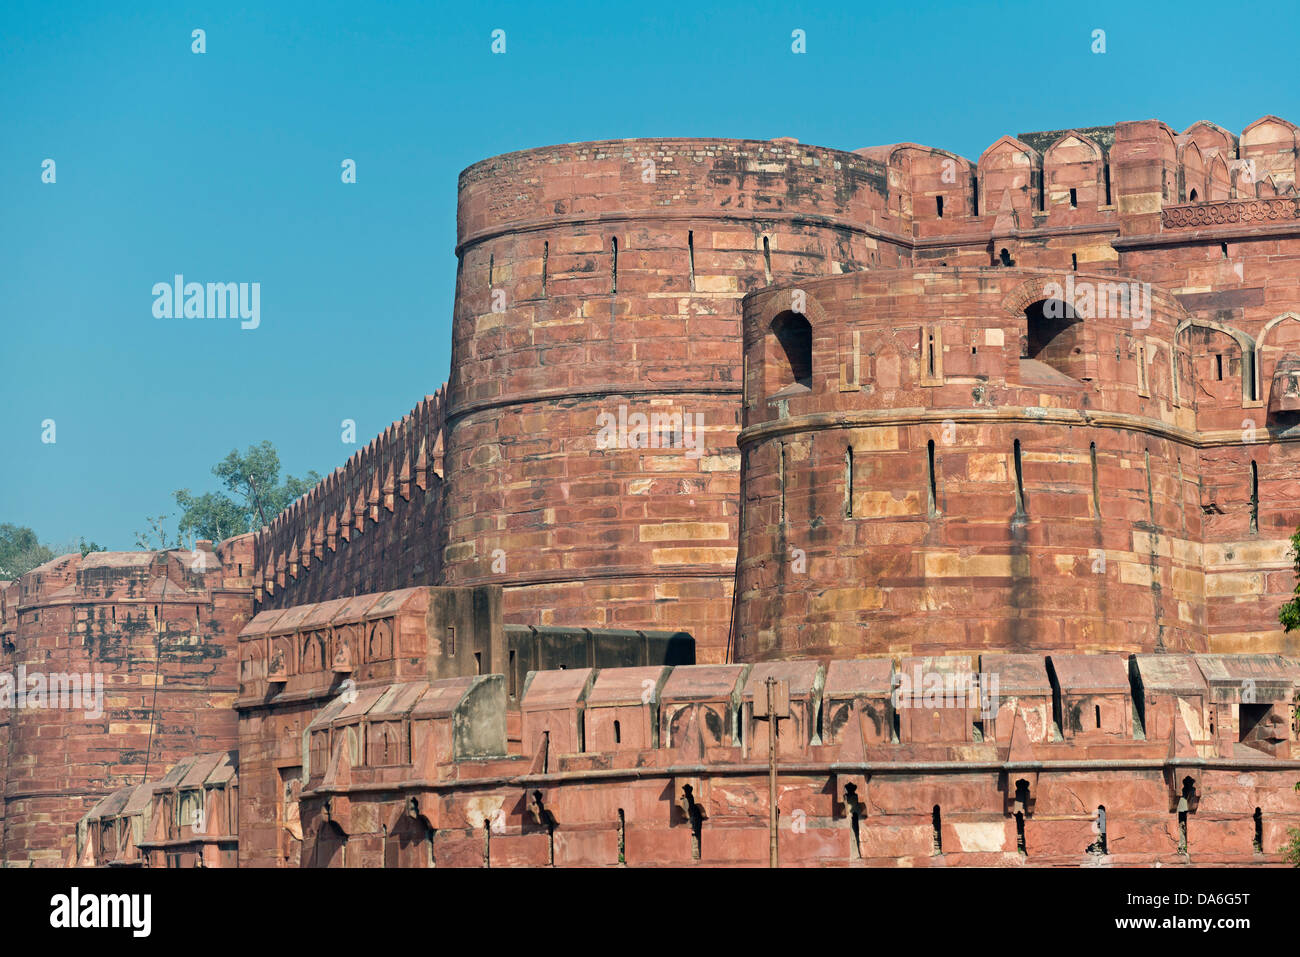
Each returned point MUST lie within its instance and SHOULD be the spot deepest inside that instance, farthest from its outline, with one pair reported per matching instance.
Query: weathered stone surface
(815, 416)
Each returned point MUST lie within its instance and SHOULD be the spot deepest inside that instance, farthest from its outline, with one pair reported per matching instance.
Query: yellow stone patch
(694, 556)
(981, 836)
(1145, 542)
(1072, 458)
(881, 504)
(874, 440)
(575, 320)
(1276, 642)
(948, 565)
(1230, 584)
(669, 463)
(460, 551)
(1136, 203)
(1251, 554)
(673, 531)
(1134, 573)
(1186, 552)
(728, 462)
(1187, 581)
(717, 284)
(128, 727)
(986, 467)
(489, 321)
(867, 598)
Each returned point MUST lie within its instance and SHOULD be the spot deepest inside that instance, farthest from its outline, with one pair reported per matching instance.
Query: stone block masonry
(157, 632)
(837, 419)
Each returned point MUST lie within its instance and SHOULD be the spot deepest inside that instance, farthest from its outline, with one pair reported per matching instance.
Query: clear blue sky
(225, 166)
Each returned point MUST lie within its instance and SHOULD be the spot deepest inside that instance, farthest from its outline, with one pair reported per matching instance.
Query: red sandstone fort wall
(159, 631)
(1155, 489)
(625, 537)
(882, 508)
(371, 525)
(9, 592)
(1070, 760)
(606, 277)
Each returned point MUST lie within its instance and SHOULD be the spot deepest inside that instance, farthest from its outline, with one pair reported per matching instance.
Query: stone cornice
(656, 216)
(757, 766)
(599, 391)
(1227, 212)
(883, 418)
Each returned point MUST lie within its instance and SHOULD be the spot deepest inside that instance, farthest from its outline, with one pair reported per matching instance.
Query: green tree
(1289, 615)
(155, 537)
(212, 515)
(20, 551)
(254, 495)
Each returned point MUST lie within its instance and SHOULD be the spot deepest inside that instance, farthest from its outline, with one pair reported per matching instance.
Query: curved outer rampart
(555, 324)
(850, 548)
(932, 491)
(553, 329)
(605, 278)
(142, 645)
(1071, 760)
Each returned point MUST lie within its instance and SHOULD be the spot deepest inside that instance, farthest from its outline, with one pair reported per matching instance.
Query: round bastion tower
(595, 391)
(966, 460)
(115, 666)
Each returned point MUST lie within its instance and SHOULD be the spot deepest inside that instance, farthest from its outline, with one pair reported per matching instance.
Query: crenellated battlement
(606, 279)
(113, 665)
(189, 818)
(988, 482)
(374, 522)
(1004, 758)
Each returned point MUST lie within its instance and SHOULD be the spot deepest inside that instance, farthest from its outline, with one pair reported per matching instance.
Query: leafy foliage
(20, 551)
(255, 495)
(155, 537)
(1289, 615)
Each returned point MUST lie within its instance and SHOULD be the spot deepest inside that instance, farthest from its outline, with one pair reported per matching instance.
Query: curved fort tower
(602, 282)
(991, 465)
(127, 662)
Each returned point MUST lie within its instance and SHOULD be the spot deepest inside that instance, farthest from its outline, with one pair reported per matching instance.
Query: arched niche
(252, 661)
(1052, 330)
(1270, 142)
(1247, 352)
(384, 747)
(282, 662)
(1193, 173)
(1211, 139)
(1074, 172)
(409, 843)
(329, 849)
(313, 653)
(1012, 170)
(1279, 338)
(379, 647)
(1218, 180)
(787, 355)
(1057, 336)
